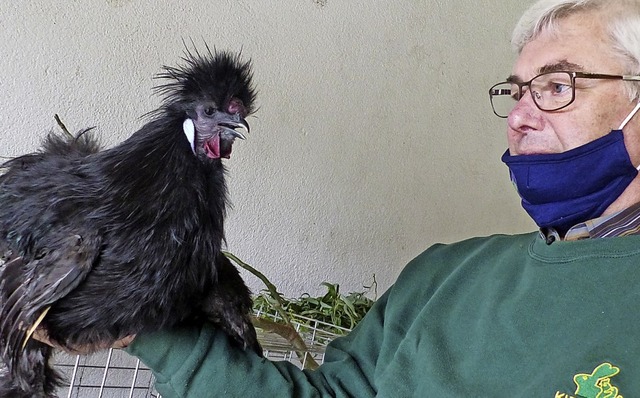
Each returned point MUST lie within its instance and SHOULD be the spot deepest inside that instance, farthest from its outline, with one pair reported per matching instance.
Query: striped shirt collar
(623, 223)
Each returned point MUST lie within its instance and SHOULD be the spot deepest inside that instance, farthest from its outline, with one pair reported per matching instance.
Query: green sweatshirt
(503, 316)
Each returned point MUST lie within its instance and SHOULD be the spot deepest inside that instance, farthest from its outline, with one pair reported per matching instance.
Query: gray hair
(622, 22)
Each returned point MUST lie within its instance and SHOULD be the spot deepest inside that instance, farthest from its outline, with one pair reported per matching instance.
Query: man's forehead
(562, 65)
(578, 42)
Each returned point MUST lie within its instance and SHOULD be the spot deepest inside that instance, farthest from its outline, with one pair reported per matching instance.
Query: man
(500, 316)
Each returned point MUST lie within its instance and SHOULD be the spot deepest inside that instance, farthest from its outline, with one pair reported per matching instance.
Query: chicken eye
(209, 111)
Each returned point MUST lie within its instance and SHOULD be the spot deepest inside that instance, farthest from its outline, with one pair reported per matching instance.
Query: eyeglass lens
(550, 91)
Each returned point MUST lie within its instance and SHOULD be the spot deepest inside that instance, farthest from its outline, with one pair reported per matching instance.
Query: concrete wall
(374, 138)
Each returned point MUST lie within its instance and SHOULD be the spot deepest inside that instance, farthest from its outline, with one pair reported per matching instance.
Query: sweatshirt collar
(623, 223)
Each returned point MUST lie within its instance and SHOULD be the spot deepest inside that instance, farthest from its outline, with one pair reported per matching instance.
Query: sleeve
(191, 362)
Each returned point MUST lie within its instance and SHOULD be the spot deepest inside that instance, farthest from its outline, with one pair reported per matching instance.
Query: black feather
(127, 239)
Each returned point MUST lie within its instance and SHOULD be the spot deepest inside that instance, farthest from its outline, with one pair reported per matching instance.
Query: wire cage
(316, 335)
(111, 374)
(115, 374)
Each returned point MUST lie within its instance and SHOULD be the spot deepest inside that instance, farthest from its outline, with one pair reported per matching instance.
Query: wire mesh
(110, 374)
(115, 374)
(315, 334)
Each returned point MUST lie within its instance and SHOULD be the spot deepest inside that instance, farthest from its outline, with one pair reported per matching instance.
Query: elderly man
(550, 313)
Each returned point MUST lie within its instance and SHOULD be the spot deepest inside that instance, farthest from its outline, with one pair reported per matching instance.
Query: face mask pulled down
(563, 189)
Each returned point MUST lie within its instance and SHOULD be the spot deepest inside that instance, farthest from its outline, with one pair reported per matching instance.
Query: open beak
(230, 124)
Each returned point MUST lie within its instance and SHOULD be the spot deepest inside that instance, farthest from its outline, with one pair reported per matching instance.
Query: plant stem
(289, 333)
(62, 126)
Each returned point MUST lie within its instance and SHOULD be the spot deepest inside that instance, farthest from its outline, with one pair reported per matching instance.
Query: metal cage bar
(115, 374)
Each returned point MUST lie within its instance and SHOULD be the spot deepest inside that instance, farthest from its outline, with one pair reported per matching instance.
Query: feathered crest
(207, 77)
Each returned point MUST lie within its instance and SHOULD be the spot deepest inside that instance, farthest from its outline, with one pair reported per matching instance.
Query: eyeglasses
(550, 91)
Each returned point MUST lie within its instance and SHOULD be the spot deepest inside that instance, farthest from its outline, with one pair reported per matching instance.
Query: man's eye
(559, 88)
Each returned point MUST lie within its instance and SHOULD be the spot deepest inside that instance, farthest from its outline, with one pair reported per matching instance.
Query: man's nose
(525, 115)
(524, 109)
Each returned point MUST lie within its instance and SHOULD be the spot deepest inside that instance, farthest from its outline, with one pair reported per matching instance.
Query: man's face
(581, 44)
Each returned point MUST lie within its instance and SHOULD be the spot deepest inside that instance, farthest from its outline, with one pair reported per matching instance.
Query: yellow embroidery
(598, 383)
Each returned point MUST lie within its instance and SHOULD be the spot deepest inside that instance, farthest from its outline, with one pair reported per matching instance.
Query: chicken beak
(232, 123)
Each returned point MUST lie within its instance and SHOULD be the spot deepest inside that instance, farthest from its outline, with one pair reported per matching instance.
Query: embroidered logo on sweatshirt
(596, 384)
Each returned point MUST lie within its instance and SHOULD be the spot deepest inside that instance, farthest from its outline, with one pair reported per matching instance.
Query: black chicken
(99, 245)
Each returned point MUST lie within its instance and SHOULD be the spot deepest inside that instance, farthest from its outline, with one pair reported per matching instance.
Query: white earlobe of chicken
(190, 131)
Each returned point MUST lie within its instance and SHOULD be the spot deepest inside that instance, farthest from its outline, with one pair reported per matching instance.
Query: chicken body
(111, 243)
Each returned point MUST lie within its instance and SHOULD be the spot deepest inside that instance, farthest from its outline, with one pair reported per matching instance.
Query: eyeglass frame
(573, 76)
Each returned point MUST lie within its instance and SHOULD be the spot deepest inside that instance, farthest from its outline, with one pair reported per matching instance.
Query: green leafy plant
(344, 311)
(340, 312)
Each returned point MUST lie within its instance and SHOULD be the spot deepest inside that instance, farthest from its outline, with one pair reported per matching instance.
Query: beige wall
(374, 138)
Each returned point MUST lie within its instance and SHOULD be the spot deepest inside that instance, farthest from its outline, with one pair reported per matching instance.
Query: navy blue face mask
(561, 190)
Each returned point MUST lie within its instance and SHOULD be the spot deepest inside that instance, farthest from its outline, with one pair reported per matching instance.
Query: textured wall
(374, 138)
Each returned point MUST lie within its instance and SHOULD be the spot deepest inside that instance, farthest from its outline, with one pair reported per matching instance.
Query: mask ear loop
(626, 120)
(631, 114)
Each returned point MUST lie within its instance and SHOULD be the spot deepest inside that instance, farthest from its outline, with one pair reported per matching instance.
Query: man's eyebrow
(560, 66)
(513, 79)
